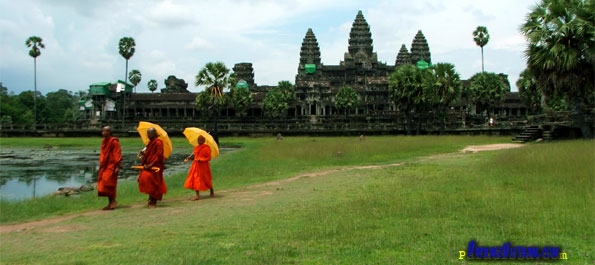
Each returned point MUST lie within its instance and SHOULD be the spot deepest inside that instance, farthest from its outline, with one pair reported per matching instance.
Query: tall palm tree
(135, 77)
(215, 76)
(35, 43)
(443, 88)
(126, 48)
(560, 52)
(405, 87)
(481, 38)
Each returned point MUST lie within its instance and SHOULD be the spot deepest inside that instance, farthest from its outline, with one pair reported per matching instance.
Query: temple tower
(244, 71)
(404, 57)
(309, 54)
(420, 49)
(360, 51)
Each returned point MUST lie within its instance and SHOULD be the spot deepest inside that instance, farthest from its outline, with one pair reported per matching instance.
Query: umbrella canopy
(192, 134)
(142, 130)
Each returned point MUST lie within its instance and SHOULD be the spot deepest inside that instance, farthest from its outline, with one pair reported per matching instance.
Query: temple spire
(360, 37)
(403, 57)
(420, 49)
(310, 52)
(360, 52)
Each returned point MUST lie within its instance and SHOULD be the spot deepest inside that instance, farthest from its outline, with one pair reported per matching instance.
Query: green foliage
(126, 47)
(61, 106)
(481, 36)
(486, 90)
(215, 76)
(152, 85)
(405, 87)
(135, 77)
(34, 43)
(56, 107)
(528, 91)
(274, 104)
(406, 90)
(442, 86)
(277, 100)
(240, 99)
(346, 99)
(560, 51)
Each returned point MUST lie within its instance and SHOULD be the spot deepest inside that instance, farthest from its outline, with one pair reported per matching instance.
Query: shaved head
(152, 133)
(106, 131)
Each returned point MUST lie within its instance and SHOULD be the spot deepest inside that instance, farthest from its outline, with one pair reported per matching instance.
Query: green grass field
(309, 200)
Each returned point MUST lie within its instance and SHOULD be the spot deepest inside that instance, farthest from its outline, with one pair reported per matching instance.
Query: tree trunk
(35, 94)
(408, 118)
(482, 69)
(579, 119)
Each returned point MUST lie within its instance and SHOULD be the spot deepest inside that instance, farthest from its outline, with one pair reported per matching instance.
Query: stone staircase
(530, 133)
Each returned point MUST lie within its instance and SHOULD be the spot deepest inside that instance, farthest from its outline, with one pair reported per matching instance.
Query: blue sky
(178, 37)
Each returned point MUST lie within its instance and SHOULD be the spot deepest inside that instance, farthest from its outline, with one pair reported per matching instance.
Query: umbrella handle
(156, 169)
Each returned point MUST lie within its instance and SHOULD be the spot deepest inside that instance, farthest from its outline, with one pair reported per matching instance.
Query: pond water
(28, 173)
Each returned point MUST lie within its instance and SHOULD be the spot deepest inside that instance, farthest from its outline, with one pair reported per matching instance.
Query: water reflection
(30, 173)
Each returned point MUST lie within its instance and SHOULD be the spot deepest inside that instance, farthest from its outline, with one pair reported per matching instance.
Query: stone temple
(316, 85)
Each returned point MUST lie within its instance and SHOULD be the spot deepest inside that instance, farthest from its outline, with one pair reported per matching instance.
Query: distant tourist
(491, 122)
(110, 158)
(362, 138)
(279, 137)
(200, 176)
(150, 179)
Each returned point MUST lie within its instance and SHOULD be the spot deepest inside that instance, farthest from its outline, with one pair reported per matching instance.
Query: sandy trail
(229, 193)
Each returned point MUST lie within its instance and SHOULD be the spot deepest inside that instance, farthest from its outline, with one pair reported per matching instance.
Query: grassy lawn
(307, 200)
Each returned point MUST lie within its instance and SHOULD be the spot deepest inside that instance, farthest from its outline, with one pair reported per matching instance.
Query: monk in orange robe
(110, 158)
(199, 176)
(151, 182)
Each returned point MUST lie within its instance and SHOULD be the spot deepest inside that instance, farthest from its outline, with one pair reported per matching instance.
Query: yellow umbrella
(142, 130)
(192, 134)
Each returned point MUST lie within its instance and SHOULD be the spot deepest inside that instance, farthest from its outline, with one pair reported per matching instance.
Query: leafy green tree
(561, 53)
(288, 91)
(60, 103)
(240, 99)
(481, 38)
(277, 100)
(486, 90)
(23, 103)
(152, 85)
(274, 103)
(346, 99)
(215, 76)
(35, 43)
(7, 109)
(529, 93)
(442, 89)
(135, 77)
(126, 47)
(405, 86)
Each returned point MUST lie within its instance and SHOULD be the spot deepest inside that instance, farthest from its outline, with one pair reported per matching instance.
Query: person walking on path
(110, 158)
(200, 176)
(150, 179)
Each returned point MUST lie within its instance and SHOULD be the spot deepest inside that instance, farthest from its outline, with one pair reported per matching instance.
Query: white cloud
(180, 37)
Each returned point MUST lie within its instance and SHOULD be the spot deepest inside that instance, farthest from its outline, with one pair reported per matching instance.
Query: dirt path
(228, 193)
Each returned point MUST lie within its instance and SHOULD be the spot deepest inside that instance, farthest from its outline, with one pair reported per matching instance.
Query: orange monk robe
(199, 176)
(149, 181)
(110, 158)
